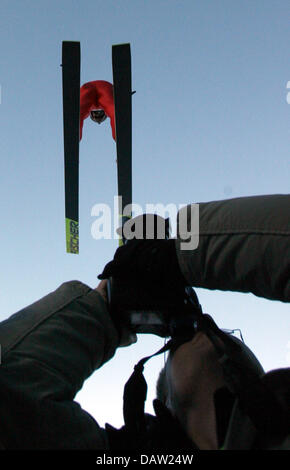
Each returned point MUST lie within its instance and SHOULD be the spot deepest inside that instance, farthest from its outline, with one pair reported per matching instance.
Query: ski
(122, 82)
(71, 117)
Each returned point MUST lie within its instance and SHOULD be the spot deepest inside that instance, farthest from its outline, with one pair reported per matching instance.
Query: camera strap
(135, 390)
(135, 393)
(183, 329)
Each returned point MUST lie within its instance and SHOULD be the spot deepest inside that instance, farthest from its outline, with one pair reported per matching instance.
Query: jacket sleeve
(48, 350)
(240, 245)
(88, 99)
(106, 102)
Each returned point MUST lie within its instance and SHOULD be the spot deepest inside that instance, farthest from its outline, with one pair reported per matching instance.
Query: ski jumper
(97, 95)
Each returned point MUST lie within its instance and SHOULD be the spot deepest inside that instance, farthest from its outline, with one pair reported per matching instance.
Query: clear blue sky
(210, 121)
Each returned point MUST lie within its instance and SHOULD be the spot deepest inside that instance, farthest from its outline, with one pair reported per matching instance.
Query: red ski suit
(97, 95)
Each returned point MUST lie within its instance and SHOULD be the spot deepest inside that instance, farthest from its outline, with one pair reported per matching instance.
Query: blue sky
(210, 121)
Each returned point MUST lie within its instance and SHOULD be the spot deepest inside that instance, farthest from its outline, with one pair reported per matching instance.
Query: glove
(146, 261)
(126, 336)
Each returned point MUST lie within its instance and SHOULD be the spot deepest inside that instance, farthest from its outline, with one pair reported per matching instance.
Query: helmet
(98, 115)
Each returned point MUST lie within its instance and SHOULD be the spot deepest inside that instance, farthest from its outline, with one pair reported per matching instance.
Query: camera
(150, 307)
(153, 309)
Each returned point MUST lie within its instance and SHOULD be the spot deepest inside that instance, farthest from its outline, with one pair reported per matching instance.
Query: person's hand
(130, 260)
(149, 256)
(127, 337)
(102, 289)
(146, 261)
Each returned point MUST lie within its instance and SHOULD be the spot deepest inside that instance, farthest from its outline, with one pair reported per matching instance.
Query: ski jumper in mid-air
(97, 101)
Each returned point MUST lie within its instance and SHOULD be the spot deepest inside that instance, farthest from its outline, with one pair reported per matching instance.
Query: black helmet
(98, 115)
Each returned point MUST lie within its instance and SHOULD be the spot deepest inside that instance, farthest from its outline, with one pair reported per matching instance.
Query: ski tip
(125, 44)
(118, 49)
(73, 43)
(72, 236)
